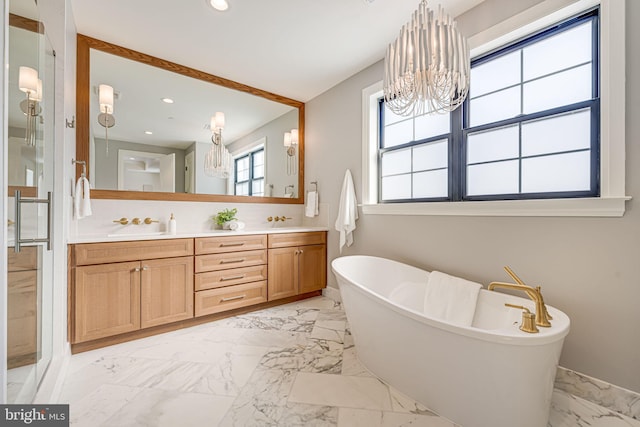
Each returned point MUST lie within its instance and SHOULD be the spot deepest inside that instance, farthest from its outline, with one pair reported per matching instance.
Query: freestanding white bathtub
(488, 375)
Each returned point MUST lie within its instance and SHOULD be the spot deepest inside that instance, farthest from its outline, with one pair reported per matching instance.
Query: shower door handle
(19, 241)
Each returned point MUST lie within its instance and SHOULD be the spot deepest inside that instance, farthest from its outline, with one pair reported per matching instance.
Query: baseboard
(612, 397)
(332, 293)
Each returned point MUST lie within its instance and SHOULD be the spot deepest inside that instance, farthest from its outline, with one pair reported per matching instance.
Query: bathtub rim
(506, 336)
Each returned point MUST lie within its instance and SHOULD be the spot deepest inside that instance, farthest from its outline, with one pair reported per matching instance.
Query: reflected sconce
(105, 118)
(427, 68)
(217, 162)
(290, 143)
(29, 83)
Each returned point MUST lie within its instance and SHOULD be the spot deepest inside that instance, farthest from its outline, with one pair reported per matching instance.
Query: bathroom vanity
(123, 290)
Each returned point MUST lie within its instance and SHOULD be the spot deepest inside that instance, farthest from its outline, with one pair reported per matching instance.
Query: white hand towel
(347, 212)
(451, 298)
(86, 198)
(311, 209)
(82, 199)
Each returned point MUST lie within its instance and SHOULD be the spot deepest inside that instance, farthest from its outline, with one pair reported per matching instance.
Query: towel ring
(84, 167)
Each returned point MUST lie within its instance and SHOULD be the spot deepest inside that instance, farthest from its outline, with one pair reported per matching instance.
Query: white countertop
(124, 236)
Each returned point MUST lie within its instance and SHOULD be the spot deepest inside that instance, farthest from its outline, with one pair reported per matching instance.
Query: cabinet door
(21, 318)
(283, 273)
(166, 291)
(312, 261)
(107, 300)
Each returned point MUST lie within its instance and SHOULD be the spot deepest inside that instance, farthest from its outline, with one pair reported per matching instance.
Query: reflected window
(249, 173)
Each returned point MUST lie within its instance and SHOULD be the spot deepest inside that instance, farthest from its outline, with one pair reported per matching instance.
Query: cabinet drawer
(234, 276)
(103, 253)
(228, 298)
(222, 244)
(229, 260)
(297, 239)
(26, 259)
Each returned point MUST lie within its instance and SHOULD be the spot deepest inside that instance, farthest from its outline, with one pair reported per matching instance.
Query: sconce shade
(294, 136)
(217, 121)
(28, 80)
(38, 95)
(105, 96)
(287, 139)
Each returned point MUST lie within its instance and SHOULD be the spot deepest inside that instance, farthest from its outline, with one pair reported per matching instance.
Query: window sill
(587, 207)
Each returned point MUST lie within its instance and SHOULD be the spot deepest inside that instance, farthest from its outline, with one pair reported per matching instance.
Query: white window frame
(255, 145)
(611, 202)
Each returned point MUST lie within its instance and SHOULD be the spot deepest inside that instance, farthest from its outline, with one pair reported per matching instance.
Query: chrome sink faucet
(535, 294)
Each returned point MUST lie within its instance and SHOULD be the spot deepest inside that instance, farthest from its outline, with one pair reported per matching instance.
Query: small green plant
(225, 216)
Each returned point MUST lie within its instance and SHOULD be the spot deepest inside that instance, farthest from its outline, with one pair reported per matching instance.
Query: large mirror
(156, 138)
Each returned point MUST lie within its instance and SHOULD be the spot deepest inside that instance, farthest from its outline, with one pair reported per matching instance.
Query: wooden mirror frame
(84, 46)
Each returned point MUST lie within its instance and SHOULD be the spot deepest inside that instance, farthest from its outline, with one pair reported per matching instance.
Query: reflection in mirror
(161, 118)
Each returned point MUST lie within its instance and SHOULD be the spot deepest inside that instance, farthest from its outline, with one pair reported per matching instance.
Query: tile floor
(291, 365)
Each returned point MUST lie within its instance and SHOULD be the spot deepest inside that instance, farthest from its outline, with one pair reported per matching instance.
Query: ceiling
(295, 48)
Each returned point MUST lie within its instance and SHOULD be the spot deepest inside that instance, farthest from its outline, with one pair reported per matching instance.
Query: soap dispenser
(172, 225)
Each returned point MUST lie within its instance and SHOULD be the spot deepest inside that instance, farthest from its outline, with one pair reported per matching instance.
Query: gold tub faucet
(535, 294)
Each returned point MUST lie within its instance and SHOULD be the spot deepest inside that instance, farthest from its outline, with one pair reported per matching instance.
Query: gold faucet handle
(123, 221)
(10, 223)
(270, 219)
(283, 218)
(148, 220)
(528, 324)
(277, 218)
(136, 221)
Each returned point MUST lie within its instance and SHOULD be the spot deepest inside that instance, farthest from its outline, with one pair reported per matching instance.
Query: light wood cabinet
(297, 264)
(22, 280)
(231, 272)
(150, 286)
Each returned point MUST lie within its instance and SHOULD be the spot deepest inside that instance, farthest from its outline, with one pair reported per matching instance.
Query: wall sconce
(290, 143)
(29, 83)
(105, 118)
(217, 162)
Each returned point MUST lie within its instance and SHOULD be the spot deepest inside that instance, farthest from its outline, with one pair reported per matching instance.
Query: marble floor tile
(342, 391)
(571, 411)
(158, 408)
(292, 365)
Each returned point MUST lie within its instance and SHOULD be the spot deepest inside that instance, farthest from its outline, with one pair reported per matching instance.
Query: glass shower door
(30, 172)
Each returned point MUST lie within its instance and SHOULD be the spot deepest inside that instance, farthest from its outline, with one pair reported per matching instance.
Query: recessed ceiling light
(148, 132)
(220, 5)
(167, 100)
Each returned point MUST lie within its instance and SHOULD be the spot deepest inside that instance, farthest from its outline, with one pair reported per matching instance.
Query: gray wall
(588, 267)
(106, 173)
(276, 155)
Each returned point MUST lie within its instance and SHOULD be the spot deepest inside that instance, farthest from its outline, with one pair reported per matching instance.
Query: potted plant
(223, 217)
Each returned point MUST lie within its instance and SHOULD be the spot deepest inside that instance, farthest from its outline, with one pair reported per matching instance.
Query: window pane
(390, 117)
(559, 133)
(258, 171)
(493, 178)
(242, 189)
(496, 74)
(396, 162)
(257, 187)
(557, 90)
(497, 106)
(399, 133)
(430, 184)
(258, 157)
(430, 125)
(562, 172)
(564, 50)
(243, 175)
(396, 187)
(433, 155)
(491, 145)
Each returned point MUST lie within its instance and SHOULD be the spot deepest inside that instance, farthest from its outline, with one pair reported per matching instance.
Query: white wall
(588, 267)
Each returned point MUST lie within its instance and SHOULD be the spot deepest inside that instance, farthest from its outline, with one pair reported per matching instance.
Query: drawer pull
(239, 276)
(226, 245)
(232, 298)
(231, 261)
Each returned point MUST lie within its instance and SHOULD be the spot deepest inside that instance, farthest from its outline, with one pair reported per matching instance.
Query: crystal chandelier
(217, 162)
(426, 69)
